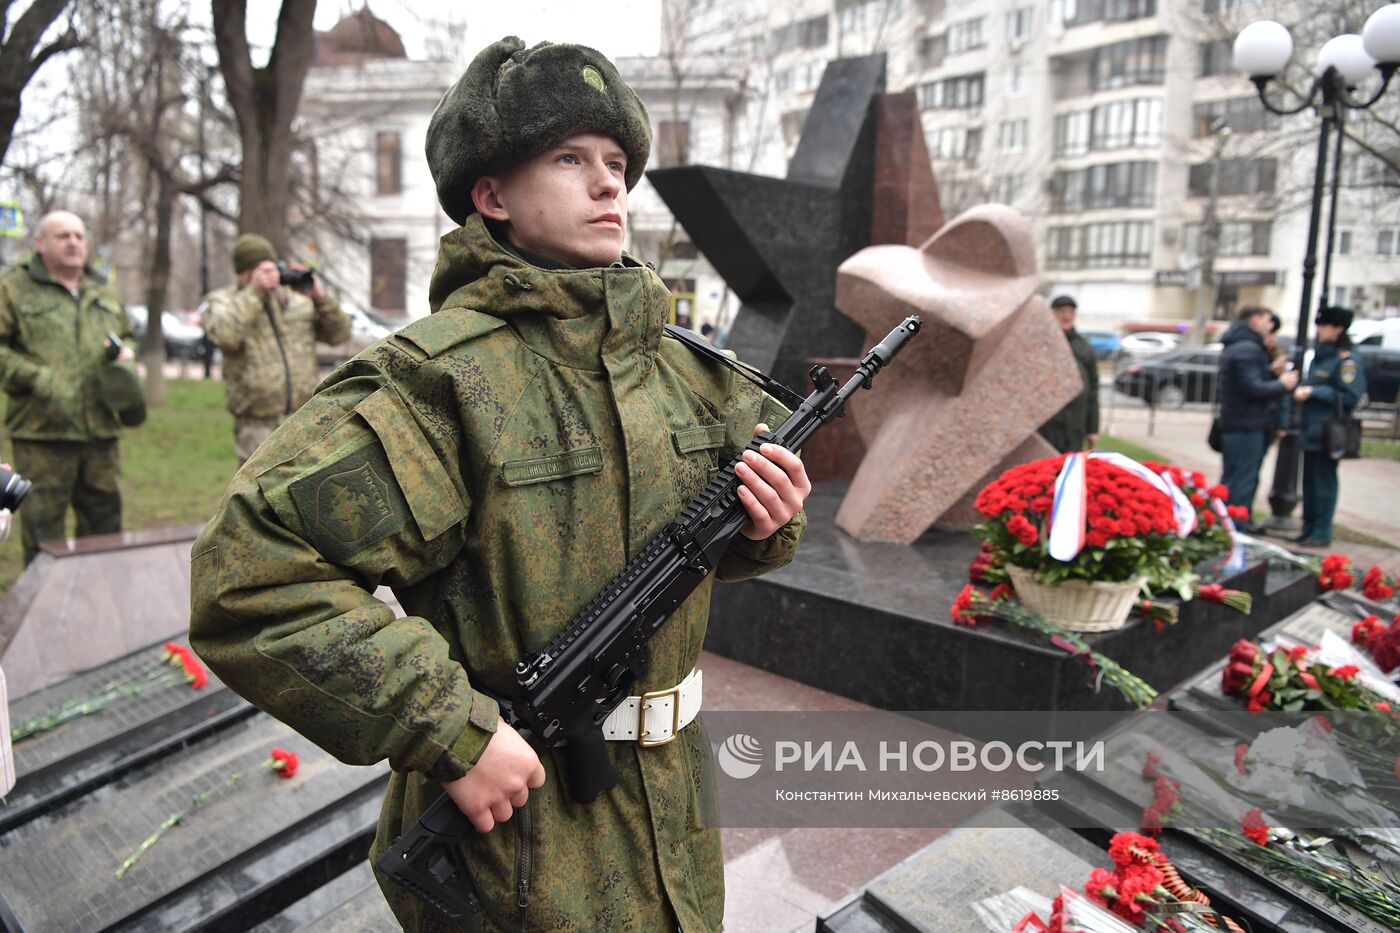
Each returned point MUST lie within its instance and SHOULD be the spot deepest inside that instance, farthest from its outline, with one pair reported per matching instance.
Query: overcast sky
(614, 27)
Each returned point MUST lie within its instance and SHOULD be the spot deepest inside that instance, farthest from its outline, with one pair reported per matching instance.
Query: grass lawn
(1376, 449)
(175, 467)
(1129, 449)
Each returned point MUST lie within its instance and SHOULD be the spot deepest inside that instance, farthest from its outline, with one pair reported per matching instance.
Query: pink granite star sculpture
(964, 399)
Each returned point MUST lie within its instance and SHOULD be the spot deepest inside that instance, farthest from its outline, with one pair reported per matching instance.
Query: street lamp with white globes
(1262, 50)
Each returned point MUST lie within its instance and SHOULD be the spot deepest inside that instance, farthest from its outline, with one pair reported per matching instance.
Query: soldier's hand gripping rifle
(568, 689)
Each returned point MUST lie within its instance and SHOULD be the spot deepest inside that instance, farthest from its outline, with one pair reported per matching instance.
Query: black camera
(301, 279)
(13, 489)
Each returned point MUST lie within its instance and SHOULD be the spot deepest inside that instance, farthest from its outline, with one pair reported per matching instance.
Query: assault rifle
(567, 689)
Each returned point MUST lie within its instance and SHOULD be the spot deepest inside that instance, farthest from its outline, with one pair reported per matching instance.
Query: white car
(364, 330)
(1148, 343)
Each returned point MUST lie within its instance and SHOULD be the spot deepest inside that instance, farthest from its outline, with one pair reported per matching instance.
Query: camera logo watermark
(740, 756)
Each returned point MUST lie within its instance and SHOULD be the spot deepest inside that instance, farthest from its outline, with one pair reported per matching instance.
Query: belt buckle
(675, 694)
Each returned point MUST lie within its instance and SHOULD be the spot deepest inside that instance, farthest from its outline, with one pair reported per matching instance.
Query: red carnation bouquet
(1129, 525)
(1379, 640)
(1210, 539)
(1291, 680)
(1336, 572)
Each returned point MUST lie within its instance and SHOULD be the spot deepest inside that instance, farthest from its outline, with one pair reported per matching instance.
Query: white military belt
(655, 718)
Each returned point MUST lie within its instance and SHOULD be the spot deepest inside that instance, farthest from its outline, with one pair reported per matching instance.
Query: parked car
(1148, 343)
(1104, 342)
(1173, 378)
(365, 329)
(184, 337)
(1378, 346)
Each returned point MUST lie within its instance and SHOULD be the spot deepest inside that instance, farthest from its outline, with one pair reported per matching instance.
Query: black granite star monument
(777, 241)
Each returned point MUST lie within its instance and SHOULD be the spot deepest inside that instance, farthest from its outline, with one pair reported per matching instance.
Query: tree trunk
(19, 60)
(265, 102)
(158, 283)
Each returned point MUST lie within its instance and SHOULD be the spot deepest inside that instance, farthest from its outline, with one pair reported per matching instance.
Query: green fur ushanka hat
(513, 103)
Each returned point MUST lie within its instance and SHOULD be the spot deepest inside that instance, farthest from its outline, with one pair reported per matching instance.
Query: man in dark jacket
(1075, 426)
(1248, 391)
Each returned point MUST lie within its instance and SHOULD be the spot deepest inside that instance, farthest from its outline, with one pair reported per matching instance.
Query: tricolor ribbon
(1234, 561)
(1067, 509)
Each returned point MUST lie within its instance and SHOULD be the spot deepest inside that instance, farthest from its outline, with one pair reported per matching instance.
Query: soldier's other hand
(1289, 379)
(1091, 441)
(265, 276)
(499, 782)
(1302, 393)
(772, 488)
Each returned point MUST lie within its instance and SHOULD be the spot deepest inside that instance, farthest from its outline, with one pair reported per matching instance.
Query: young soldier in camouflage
(55, 315)
(496, 463)
(268, 336)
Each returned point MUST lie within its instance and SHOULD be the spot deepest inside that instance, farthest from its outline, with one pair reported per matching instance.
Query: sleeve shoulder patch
(1348, 371)
(350, 504)
(448, 327)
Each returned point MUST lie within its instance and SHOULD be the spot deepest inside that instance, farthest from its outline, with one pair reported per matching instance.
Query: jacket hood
(34, 264)
(1238, 331)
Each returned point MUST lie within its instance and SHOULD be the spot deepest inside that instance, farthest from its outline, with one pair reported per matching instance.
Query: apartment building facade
(1117, 127)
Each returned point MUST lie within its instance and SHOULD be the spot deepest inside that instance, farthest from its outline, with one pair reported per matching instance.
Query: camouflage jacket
(495, 463)
(52, 348)
(270, 347)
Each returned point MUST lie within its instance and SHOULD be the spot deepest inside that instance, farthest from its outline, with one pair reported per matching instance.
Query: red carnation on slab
(286, 762)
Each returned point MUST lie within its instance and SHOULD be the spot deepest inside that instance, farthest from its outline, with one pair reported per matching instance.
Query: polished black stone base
(870, 621)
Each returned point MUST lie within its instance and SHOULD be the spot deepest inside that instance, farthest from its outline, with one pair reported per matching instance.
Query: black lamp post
(1262, 50)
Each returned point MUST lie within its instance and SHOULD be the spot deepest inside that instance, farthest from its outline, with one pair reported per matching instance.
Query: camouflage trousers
(77, 473)
(249, 433)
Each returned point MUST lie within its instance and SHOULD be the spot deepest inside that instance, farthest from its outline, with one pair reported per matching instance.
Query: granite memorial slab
(1096, 814)
(254, 847)
(990, 367)
(870, 620)
(934, 890)
(76, 757)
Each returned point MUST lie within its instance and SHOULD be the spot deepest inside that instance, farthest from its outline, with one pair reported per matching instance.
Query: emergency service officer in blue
(1334, 373)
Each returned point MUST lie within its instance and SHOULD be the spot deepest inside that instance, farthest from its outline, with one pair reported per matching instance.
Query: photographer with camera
(267, 326)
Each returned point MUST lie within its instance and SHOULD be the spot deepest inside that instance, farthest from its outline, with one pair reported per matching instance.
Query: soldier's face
(1065, 315)
(62, 241)
(569, 202)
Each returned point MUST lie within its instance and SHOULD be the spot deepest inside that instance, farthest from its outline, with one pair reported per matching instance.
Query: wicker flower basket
(1075, 604)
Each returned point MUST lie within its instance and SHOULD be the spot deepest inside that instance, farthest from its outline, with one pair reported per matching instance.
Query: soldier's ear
(486, 196)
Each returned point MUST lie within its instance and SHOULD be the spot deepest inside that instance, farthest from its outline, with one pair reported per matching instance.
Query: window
(388, 274)
(1240, 114)
(955, 142)
(1126, 123)
(1136, 61)
(1016, 80)
(1100, 246)
(1216, 58)
(1385, 242)
(1225, 6)
(1080, 12)
(1117, 184)
(1343, 242)
(1072, 134)
(1339, 295)
(1011, 136)
(1233, 238)
(967, 35)
(1020, 24)
(860, 15)
(801, 77)
(672, 142)
(960, 93)
(388, 164)
(931, 50)
(1237, 176)
(807, 34)
(1006, 188)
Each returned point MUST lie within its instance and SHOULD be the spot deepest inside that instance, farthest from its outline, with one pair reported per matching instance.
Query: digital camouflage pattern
(1067, 430)
(269, 346)
(496, 463)
(85, 475)
(52, 350)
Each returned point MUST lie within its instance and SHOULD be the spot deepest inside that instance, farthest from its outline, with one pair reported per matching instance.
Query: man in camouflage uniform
(55, 315)
(496, 463)
(268, 336)
(1075, 426)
